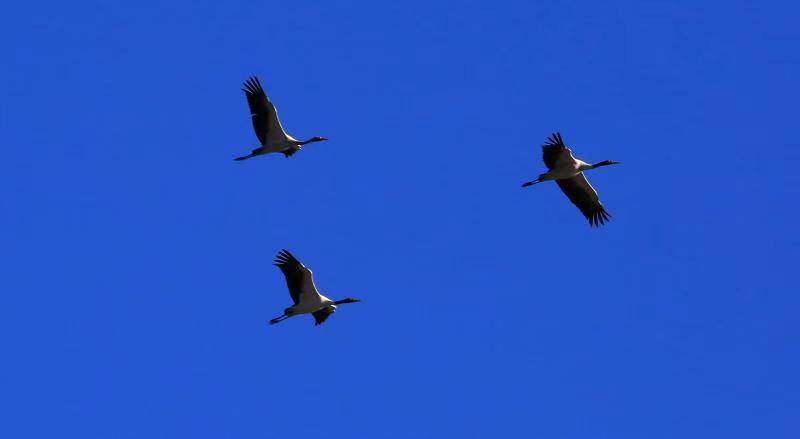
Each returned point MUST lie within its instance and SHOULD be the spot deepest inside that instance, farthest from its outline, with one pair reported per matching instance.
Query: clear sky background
(136, 272)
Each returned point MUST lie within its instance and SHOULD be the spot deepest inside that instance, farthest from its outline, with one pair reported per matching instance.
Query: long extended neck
(339, 302)
(311, 140)
(603, 163)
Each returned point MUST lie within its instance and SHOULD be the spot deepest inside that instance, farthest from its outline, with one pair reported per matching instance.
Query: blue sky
(137, 277)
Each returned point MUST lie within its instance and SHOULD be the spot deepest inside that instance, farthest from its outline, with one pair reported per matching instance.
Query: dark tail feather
(244, 157)
(531, 183)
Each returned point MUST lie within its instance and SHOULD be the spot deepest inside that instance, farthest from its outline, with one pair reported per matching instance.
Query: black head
(347, 300)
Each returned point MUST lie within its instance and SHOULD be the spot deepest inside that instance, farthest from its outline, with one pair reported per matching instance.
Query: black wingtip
(598, 218)
(252, 86)
(554, 139)
(284, 257)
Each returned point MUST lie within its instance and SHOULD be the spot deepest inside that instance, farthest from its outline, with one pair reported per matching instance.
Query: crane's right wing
(265, 118)
(299, 279)
(555, 151)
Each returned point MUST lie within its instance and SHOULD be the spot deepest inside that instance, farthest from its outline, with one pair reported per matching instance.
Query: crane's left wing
(583, 195)
(322, 314)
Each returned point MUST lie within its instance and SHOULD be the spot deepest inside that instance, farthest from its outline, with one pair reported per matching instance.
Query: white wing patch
(276, 135)
(308, 287)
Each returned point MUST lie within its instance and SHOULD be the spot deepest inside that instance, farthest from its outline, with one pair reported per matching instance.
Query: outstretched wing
(555, 151)
(265, 118)
(583, 195)
(299, 279)
(322, 314)
(288, 152)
